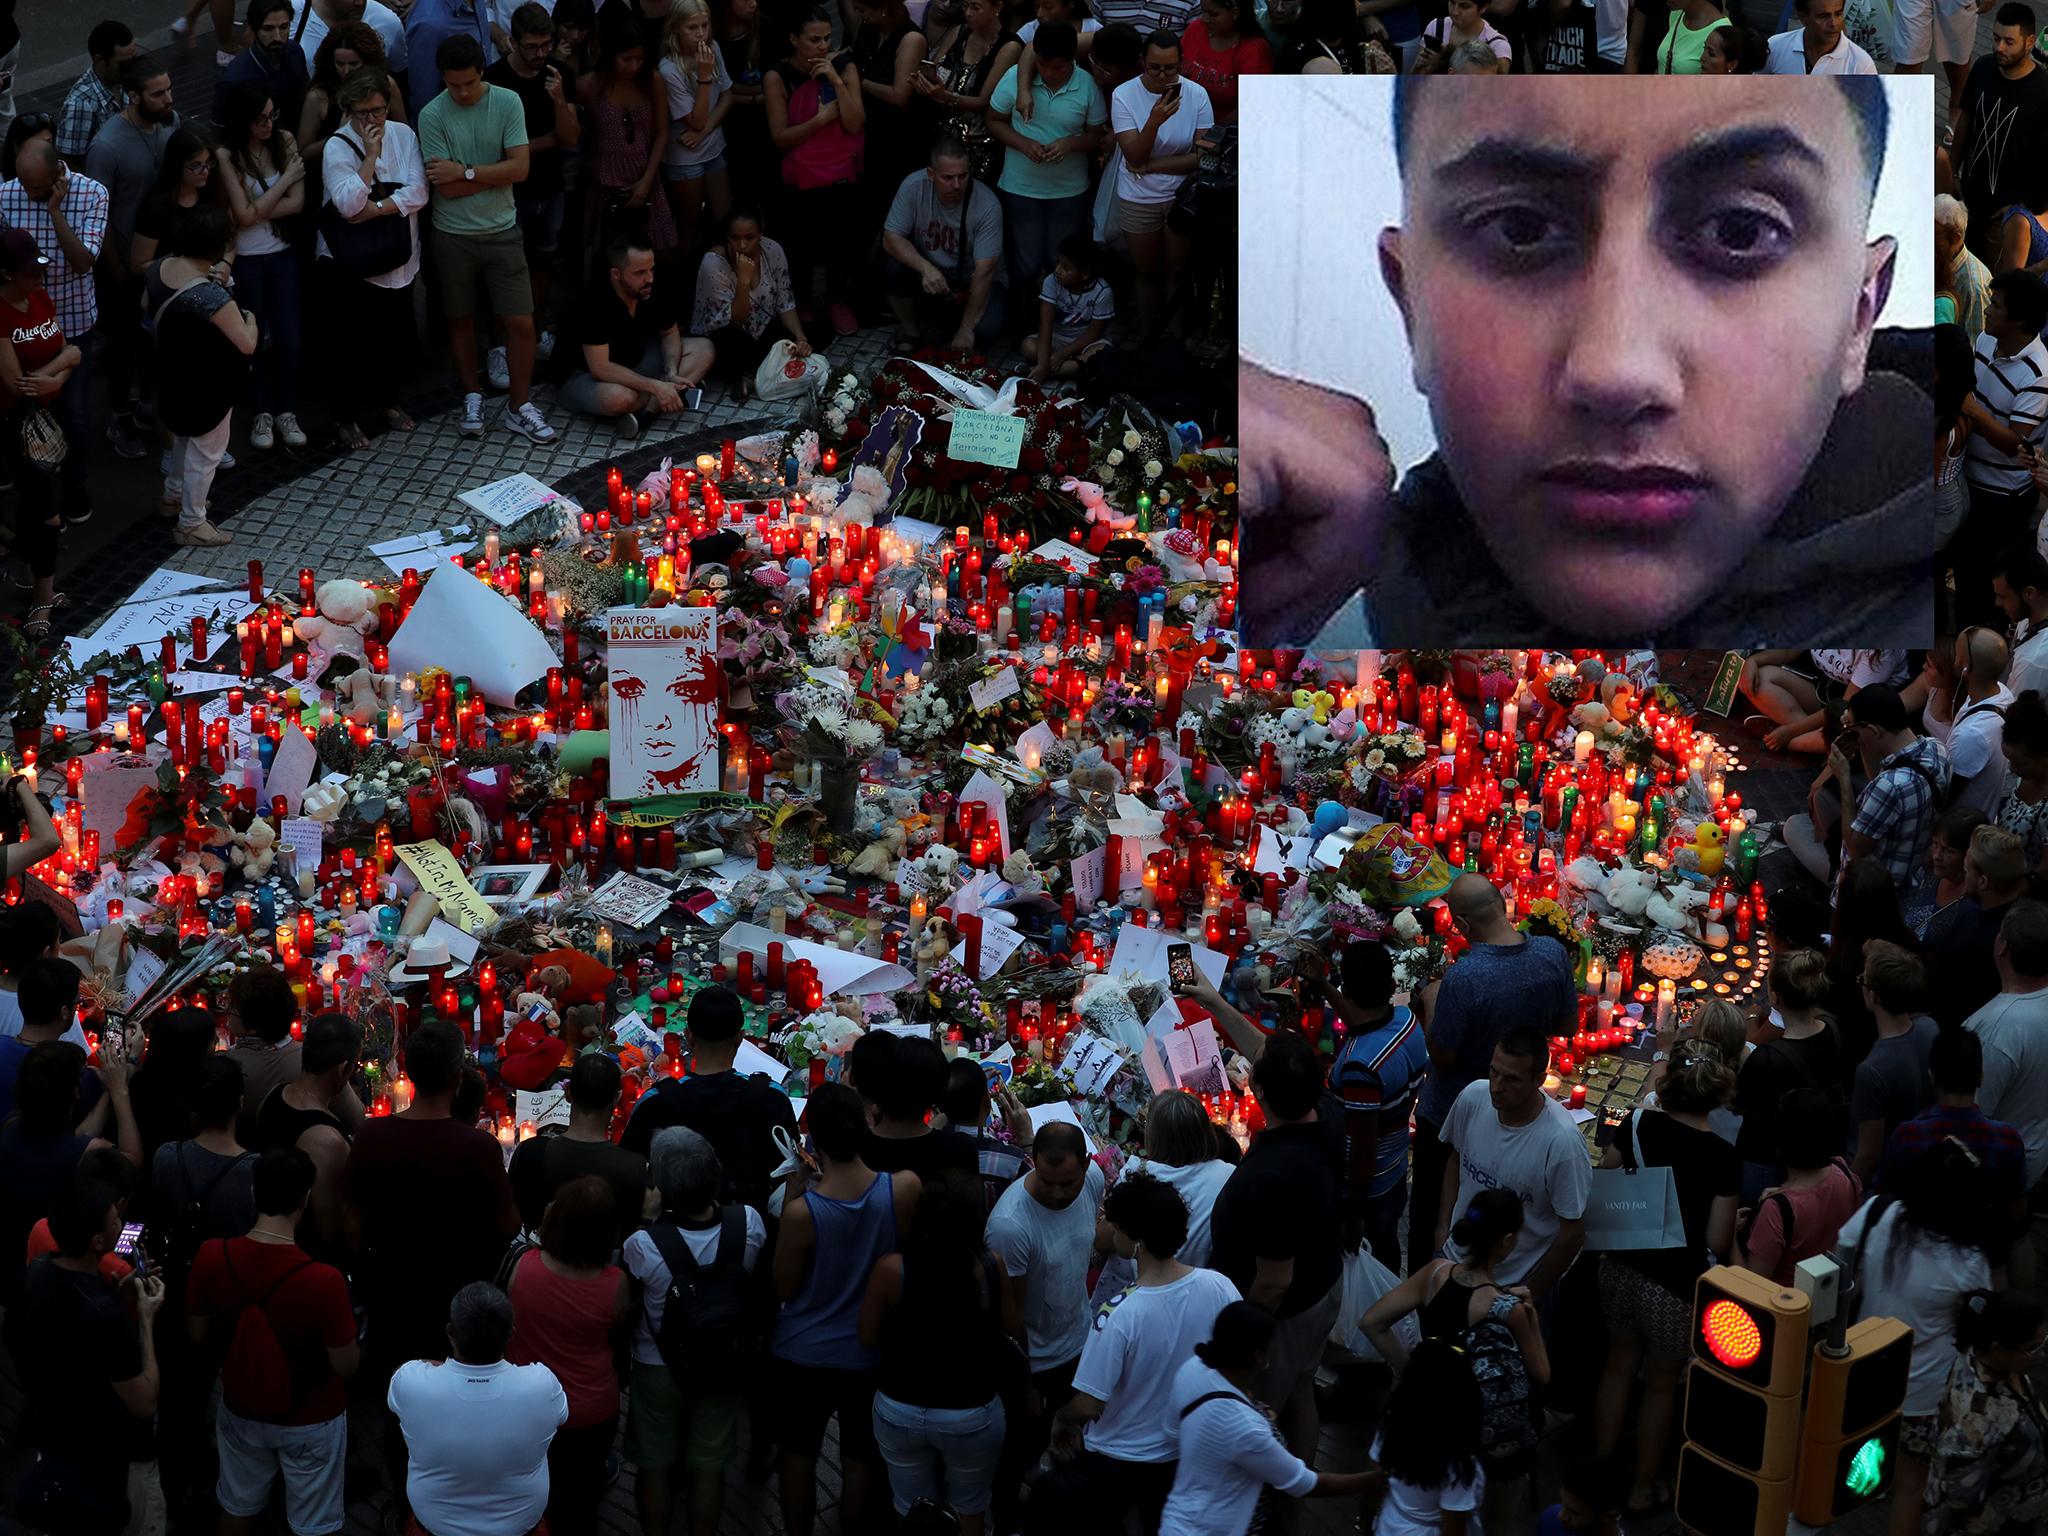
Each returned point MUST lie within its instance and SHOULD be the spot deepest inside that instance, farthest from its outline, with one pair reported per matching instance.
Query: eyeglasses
(368, 111)
(267, 115)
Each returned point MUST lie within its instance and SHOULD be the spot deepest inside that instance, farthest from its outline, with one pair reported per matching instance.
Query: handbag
(1632, 1209)
(370, 249)
(43, 444)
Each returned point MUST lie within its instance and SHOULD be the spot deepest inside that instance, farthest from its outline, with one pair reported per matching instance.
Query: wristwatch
(469, 173)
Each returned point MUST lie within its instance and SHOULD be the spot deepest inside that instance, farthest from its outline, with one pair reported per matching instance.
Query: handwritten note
(991, 691)
(292, 769)
(441, 877)
(506, 501)
(303, 838)
(1087, 872)
(983, 437)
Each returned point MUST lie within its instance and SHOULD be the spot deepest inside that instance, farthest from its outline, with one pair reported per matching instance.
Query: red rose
(1032, 459)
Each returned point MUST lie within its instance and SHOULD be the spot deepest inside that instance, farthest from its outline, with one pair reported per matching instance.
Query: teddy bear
(1103, 519)
(1629, 890)
(1619, 695)
(1593, 717)
(870, 495)
(934, 942)
(346, 615)
(936, 868)
(543, 985)
(1093, 776)
(1676, 909)
(1019, 871)
(878, 860)
(355, 690)
(255, 850)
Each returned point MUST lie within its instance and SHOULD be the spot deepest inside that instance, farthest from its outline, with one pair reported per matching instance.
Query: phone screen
(131, 1241)
(1180, 965)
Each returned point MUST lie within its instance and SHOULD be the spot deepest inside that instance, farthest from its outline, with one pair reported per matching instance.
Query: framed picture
(500, 883)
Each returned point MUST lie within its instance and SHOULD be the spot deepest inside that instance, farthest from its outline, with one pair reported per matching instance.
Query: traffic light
(1853, 1413)
(1741, 1420)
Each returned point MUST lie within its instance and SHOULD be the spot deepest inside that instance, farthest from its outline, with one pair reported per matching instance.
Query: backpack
(1368, 1114)
(256, 1376)
(1507, 1418)
(188, 1217)
(710, 1323)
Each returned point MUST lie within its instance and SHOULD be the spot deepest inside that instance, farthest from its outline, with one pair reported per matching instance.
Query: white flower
(832, 722)
(1375, 759)
(863, 736)
(1116, 456)
(1152, 469)
(1131, 439)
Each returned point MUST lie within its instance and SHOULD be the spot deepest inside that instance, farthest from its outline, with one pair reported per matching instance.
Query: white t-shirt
(1921, 1282)
(1030, 28)
(10, 1024)
(1228, 1452)
(1788, 57)
(2014, 1029)
(1049, 1249)
(1859, 669)
(1198, 1185)
(477, 1437)
(1976, 743)
(1411, 1511)
(1130, 104)
(2030, 661)
(644, 1263)
(1544, 1162)
(1140, 1338)
(682, 98)
(380, 19)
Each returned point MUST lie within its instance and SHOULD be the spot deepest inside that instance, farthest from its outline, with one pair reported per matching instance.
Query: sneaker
(496, 369)
(227, 461)
(289, 429)
(203, 535)
(528, 422)
(844, 320)
(472, 415)
(74, 516)
(126, 440)
(182, 28)
(627, 426)
(262, 437)
(222, 59)
(546, 347)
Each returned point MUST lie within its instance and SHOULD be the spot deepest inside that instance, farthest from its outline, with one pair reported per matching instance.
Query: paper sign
(442, 878)
(303, 838)
(1144, 950)
(145, 624)
(1087, 878)
(839, 970)
(999, 941)
(982, 437)
(985, 790)
(111, 782)
(629, 900)
(1090, 1064)
(144, 966)
(665, 680)
(1193, 1058)
(292, 769)
(991, 691)
(421, 549)
(750, 1059)
(506, 501)
(1033, 744)
(1045, 1114)
(1277, 853)
(165, 582)
(464, 627)
(916, 530)
(1060, 551)
(1721, 697)
(550, 1106)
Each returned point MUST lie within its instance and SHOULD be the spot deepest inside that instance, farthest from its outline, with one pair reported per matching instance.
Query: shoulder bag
(372, 248)
(1633, 1208)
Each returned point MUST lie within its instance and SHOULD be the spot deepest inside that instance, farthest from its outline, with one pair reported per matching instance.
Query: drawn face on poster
(664, 673)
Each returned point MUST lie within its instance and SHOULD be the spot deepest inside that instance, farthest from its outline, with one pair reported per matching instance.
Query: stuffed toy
(1093, 776)
(1104, 521)
(1317, 702)
(877, 861)
(355, 691)
(1710, 847)
(543, 984)
(819, 880)
(870, 495)
(255, 850)
(530, 1053)
(1593, 717)
(570, 975)
(1676, 910)
(1619, 695)
(1629, 890)
(1019, 872)
(934, 942)
(346, 615)
(1180, 554)
(936, 868)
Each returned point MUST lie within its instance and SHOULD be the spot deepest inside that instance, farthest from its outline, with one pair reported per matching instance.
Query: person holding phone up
(1156, 118)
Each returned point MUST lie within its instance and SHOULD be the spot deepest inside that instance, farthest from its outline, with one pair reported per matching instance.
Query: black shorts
(806, 1397)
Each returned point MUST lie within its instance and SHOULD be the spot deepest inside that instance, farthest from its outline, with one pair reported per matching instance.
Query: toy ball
(1331, 817)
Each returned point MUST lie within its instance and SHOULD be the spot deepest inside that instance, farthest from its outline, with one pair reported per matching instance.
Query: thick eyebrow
(1507, 159)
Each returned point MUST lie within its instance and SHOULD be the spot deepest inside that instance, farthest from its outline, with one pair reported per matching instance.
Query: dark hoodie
(1850, 561)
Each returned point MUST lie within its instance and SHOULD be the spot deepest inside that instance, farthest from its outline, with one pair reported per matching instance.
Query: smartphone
(130, 1246)
(693, 399)
(1180, 966)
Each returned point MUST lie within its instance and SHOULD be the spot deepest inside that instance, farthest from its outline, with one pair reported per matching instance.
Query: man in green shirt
(1046, 157)
(473, 139)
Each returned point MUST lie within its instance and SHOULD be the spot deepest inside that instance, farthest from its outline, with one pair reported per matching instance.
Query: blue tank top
(821, 1326)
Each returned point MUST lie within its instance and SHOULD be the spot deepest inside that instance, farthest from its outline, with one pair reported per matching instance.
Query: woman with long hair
(625, 107)
(817, 115)
(180, 1044)
(1429, 1446)
(750, 154)
(743, 289)
(1798, 1046)
(347, 47)
(34, 370)
(1915, 1257)
(1230, 1455)
(264, 177)
(1459, 1302)
(1988, 1474)
(1798, 1216)
(946, 1326)
(1646, 1295)
(1219, 46)
(1946, 850)
(1866, 907)
(203, 340)
(1329, 39)
(185, 179)
(960, 75)
(1684, 37)
(889, 51)
(693, 165)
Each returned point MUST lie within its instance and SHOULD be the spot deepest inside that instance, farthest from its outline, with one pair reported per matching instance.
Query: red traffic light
(1731, 1333)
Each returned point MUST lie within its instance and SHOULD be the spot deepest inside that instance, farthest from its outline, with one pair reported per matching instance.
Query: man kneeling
(944, 241)
(629, 353)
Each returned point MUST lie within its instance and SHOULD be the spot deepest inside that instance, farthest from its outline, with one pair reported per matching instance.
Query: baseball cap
(18, 249)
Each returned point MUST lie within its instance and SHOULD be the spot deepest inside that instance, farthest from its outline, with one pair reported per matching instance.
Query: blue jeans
(946, 1454)
(268, 287)
(1034, 228)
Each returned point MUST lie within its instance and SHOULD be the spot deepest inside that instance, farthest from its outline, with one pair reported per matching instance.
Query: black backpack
(188, 1217)
(710, 1322)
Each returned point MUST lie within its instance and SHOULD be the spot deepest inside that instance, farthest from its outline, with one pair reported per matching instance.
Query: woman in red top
(568, 1302)
(35, 360)
(1218, 46)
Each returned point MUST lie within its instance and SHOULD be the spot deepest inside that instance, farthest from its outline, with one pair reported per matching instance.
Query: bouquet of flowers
(1385, 756)
(829, 721)
(1133, 450)
(923, 716)
(844, 402)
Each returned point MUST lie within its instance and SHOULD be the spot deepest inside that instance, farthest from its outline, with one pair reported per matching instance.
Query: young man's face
(1634, 318)
(1823, 24)
(2008, 45)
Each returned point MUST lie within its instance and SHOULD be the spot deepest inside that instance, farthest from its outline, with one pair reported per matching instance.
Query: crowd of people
(229, 1277)
(624, 201)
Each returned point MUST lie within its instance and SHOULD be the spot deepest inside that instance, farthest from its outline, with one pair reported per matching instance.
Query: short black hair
(1080, 249)
(103, 39)
(619, 249)
(716, 1015)
(2022, 566)
(1525, 1040)
(532, 20)
(283, 1177)
(1368, 973)
(260, 11)
(140, 70)
(26, 931)
(1149, 1210)
(901, 1077)
(1868, 105)
(79, 1214)
(264, 1001)
(458, 53)
(1288, 1074)
(216, 1092)
(1880, 707)
(1119, 46)
(48, 991)
(1956, 1061)
(836, 1120)
(965, 1100)
(2024, 932)
(434, 1057)
(331, 1039)
(2014, 14)
(1162, 38)
(594, 1081)
(1055, 40)
(2026, 299)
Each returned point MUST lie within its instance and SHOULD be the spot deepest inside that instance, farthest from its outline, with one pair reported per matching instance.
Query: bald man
(1642, 318)
(1976, 739)
(1507, 977)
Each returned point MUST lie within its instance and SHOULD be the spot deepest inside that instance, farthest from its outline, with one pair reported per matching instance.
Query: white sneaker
(496, 369)
(261, 436)
(528, 422)
(289, 429)
(472, 415)
(227, 460)
(546, 347)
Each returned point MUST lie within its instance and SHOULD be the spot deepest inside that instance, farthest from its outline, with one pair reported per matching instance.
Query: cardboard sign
(110, 784)
(631, 901)
(441, 877)
(665, 683)
(1090, 1064)
(982, 437)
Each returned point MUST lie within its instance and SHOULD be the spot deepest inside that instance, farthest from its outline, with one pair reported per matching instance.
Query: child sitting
(1074, 311)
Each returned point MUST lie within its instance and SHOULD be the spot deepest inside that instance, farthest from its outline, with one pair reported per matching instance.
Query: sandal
(38, 628)
(350, 435)
(400, 422)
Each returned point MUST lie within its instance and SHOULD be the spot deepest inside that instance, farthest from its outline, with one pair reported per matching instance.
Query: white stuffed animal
(346, 615)
(870, 494)
(1677, 909)
(1180, 554)
(936, 868)
(1629, 890)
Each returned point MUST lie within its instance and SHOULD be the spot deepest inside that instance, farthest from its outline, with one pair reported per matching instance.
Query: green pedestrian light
(1866, 1469)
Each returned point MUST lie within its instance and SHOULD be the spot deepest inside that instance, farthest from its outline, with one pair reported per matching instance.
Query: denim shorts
(311, 1457)
(944, 1454)
(692, 172)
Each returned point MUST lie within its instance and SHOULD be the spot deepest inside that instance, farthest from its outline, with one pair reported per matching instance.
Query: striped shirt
(2015, 390)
